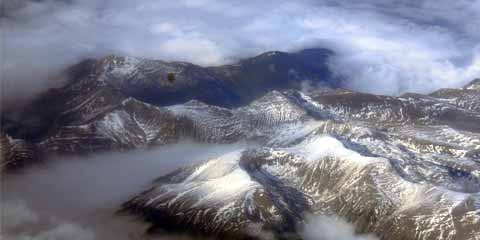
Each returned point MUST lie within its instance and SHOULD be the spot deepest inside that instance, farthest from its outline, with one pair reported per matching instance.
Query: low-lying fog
(75, 198)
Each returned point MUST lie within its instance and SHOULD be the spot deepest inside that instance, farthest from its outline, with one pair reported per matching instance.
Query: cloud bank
(385, 47)
(330, 228)
(76, 197)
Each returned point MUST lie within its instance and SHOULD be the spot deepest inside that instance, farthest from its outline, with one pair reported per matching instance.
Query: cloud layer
(76, 197)
(318, 227)
(385, 47)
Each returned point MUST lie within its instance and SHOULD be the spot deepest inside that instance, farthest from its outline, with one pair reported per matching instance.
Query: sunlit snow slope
(404, 167)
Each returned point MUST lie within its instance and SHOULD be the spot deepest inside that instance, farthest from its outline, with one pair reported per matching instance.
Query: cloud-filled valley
(383, 47)
(77, 197)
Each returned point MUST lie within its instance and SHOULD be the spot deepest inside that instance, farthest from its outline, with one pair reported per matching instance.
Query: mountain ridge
(115, 78)
(402, 167)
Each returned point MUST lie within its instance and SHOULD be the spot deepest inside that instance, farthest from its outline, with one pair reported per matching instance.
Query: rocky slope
(404, 167)
(229, 85)
(98, 86)
(15, 153)
(397, 167)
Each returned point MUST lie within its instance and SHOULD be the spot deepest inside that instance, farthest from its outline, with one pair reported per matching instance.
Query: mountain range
(400, 167)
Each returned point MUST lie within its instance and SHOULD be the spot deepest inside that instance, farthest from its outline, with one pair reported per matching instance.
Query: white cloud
(17, 213)
(22, 223)
(76, 198)
(387, 55)
(164, 28)
(330, 228)
(396, 45)
(187, 48)
(61, 232)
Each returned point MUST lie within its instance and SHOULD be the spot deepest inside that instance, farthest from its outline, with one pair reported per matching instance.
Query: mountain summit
(402, 167)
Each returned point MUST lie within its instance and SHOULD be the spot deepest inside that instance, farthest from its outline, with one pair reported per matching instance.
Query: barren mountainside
(405, 167)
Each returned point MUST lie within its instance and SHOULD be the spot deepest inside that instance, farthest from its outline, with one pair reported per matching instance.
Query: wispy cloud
(384, 47)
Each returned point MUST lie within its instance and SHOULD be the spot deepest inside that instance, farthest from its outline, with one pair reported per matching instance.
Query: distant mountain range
(404, 167)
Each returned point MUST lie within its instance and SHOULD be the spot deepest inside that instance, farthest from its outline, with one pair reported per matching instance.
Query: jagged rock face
(467, 98)
(134, 124)
(252, 122)
(88, 116)
(401, 167)
(97, 86)
(473, 85)
(15, 153)
(391, 166)
(80, 101)
(262, 192)
(130, 124)
(382, 111)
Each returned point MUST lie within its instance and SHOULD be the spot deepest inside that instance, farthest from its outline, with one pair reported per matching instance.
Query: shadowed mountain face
(166, 83)
(97, 86)
(403, 167)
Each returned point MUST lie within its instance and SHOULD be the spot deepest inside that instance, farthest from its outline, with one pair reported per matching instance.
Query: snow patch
(320, 147)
